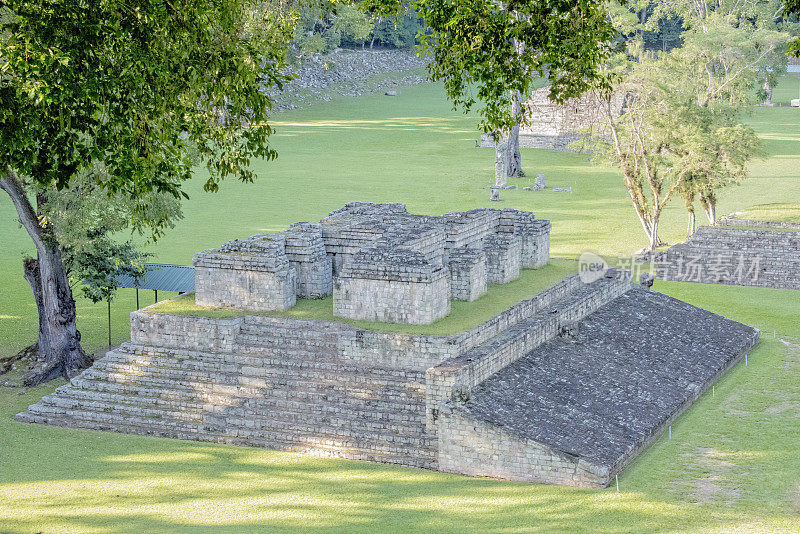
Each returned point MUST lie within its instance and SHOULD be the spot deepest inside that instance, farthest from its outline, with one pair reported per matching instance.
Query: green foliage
(498, 49)
(138, 87)
(98, 261)
(791, 8)
(400, 32)
(352, 24)
(84, 220)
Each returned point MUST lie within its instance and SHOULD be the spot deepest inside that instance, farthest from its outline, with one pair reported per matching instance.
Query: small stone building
(554, 126)
(380, 262)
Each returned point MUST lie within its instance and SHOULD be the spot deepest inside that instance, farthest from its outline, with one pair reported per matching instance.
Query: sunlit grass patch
(779, 212)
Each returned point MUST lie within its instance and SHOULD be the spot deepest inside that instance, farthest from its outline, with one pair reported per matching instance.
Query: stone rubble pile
(348, 73)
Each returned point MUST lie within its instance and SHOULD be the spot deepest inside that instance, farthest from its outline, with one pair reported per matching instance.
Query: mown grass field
(732, 463)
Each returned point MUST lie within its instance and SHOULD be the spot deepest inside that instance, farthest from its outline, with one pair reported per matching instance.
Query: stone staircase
(298, 386)
(260, 399)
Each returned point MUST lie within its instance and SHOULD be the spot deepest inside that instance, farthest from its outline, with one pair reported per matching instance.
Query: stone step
(272, 398)
(75, 409)
(272, 378)
(253, 365)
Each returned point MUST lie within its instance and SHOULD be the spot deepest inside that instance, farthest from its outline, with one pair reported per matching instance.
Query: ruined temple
(564, 387)
(555, 126)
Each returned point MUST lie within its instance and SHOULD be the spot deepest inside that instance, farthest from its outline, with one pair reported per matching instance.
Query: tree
(475, 51)
(136, 87)
(672, 138)
(791, 8)
(352, 24)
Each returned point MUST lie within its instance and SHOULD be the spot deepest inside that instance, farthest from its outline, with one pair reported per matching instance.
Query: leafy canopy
(488, 51)
(141, 87)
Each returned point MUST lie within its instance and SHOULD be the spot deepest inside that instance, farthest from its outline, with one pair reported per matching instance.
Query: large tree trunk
(513, 155)
(691, 226)
(59, 339)
(654, 240)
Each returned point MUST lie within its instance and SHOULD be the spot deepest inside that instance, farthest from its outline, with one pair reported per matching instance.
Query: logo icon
(591, 267)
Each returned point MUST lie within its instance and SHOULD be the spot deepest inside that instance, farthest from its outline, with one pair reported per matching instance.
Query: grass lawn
(776, 211)
(732, 464)
(463, 315)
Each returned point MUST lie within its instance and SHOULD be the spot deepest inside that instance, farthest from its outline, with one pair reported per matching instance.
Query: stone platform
(735, 256)
(514, 397)
(589, 400)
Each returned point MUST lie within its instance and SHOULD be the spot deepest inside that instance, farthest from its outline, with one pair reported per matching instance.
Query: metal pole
(137, 298)
(155, 291)
(109, 323)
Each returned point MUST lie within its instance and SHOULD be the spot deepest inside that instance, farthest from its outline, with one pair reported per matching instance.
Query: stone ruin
(737, 252)
(565, 387)
(555, 126)
(380, 262)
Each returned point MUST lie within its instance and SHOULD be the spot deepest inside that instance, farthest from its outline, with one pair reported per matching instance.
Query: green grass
(732, 464)
(787, 89)
(463, 315)
(777, 211)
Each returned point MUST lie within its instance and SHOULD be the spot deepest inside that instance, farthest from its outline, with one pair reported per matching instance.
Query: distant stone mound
(733, 255)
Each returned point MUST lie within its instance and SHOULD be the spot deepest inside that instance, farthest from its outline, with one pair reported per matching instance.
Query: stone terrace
(564, 387)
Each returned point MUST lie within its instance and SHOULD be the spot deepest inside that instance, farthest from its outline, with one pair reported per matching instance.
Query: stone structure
(389, 265)
(565, 387)
(554, 126)
(253, 274)
(732, 220)
(737, 256)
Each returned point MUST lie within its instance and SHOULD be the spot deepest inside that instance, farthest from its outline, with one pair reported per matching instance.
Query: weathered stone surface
(254, 274)
(737, 256)
(555, 126)
(576, 411)
(520, 396)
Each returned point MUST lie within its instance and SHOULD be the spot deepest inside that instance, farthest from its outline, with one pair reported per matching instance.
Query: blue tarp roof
(162, 277)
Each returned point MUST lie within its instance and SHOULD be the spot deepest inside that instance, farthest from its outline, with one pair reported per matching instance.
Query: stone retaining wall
(731, 220)
(735, 256)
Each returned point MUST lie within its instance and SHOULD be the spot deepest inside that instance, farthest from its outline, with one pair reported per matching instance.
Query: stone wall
(472, 447)
(731, 220)
(735, 256)
(253, 274)
(467, 274)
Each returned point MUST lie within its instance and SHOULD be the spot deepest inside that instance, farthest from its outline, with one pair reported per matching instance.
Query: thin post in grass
(670, 431)
(109, 322)
(617, 479)
(713, 391)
